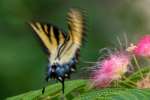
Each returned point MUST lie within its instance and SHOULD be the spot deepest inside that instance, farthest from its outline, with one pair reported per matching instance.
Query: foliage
(53, 91)
(116, 94)
(132, 79)
(79, 90)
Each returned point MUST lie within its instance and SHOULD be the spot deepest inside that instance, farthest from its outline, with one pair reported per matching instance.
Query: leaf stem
(128, 80)
(132, 86)
(138, 66)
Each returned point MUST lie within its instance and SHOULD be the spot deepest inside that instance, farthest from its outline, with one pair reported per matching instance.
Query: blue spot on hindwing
(67, 69)
(60, 71)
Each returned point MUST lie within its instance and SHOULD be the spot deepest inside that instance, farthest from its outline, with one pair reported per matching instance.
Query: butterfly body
(62, 47)
(61, 71)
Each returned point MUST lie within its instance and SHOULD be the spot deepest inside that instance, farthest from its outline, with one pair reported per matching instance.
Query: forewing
(51, 37)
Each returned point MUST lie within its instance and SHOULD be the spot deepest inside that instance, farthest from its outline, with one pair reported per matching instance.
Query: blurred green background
(22, 61)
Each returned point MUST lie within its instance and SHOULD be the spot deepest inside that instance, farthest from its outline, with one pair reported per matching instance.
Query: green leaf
(116, 94)
(52, 91)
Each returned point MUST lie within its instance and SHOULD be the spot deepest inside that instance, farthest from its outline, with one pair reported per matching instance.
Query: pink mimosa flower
(110, 69)
(143, 47)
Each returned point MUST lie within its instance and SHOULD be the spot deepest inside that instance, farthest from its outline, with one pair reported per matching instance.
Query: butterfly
(62, 47)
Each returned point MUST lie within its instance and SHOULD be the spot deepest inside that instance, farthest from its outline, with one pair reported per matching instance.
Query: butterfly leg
(47, 77)
(63, 84)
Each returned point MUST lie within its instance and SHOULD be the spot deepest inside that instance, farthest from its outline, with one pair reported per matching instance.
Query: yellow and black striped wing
(51, 37)
(75, 34)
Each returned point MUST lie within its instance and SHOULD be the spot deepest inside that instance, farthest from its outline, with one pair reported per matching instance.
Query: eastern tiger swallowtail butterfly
(62, 47)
